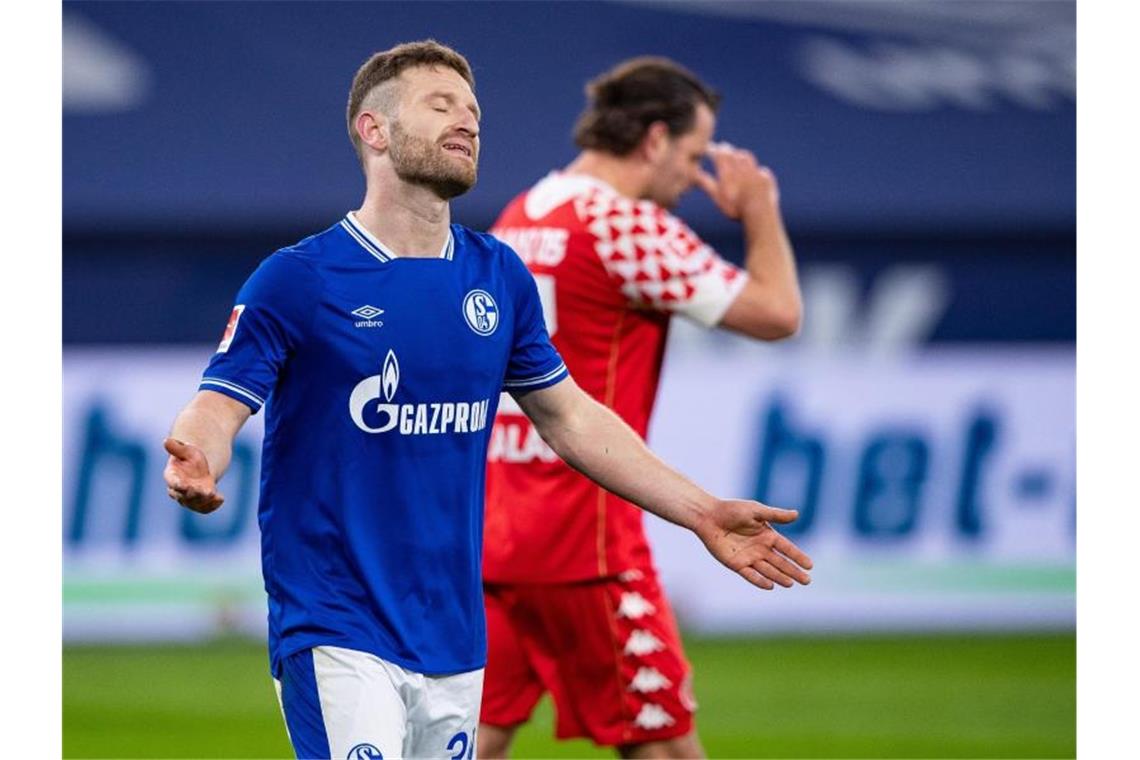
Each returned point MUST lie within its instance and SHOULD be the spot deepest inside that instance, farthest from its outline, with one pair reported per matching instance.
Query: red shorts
(608, 651)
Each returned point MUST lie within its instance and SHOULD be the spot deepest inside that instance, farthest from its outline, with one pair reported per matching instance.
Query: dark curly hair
(627, 99)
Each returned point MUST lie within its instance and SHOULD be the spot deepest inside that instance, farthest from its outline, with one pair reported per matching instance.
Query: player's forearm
(210, 429)
(769, 258)
(600, 445)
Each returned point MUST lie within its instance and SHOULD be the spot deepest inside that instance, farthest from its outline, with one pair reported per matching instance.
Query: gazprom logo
(372, 409)
(481, 312)
(390, 375)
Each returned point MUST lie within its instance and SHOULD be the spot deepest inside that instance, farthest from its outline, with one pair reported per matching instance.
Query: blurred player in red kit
(573, 603)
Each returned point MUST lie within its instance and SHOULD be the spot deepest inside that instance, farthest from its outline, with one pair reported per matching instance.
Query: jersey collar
(580, 182)
(380, 251)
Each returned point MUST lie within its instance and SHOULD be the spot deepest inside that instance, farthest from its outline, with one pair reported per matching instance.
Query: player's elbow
(785, 321)
(765, 312)
(775, 321)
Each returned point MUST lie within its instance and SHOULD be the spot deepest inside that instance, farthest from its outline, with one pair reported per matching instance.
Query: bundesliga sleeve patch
(231, 328)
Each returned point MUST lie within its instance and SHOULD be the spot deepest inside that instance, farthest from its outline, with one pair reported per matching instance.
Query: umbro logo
(366, 314)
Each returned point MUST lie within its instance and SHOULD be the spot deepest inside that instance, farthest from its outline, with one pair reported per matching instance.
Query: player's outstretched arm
(769, 306)
(596, 442)
(200, 446)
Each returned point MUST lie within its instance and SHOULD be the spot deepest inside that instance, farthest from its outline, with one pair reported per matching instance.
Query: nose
(469, 127)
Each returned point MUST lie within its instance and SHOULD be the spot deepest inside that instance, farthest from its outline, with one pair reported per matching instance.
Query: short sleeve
(658, 261)
(271, 315)
(534, 362)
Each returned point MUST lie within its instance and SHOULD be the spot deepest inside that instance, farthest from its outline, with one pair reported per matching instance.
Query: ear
(656, 142)
(372, 128)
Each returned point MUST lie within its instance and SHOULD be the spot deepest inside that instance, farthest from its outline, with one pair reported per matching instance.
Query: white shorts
(341, 703)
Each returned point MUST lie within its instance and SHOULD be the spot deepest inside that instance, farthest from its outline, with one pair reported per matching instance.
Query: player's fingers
(745, 157)
(753, 576)
(173, 478)
(732, 160)
(189, 497)
(788, 568)
(770, 571)
(178, 449)
(741, 158)
(792, 552)
(203, 503)
(183, 482)
(194, 495)
(707, 182)
(776, 514)
(721, 156)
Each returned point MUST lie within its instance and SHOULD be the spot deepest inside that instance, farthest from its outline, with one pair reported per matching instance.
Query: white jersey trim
(558, 188)
(372, 244)
(709, 313)
(233, 387)
(526, 382)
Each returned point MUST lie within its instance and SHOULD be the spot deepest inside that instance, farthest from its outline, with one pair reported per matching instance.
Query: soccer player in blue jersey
(381, 345)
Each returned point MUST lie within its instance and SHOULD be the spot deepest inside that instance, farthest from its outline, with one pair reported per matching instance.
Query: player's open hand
(740, 184)
(188, 478)
(740, 535)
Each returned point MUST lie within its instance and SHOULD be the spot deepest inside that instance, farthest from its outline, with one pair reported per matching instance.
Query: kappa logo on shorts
(634, 605)
(649, 680)
(642, 643)
(653, 717)
(481, 312)
(364, 752)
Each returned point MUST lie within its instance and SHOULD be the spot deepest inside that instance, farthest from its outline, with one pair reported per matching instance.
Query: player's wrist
(702, 516)
(758, 207)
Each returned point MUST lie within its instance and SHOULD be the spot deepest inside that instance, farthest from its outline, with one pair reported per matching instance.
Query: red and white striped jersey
(611, 271)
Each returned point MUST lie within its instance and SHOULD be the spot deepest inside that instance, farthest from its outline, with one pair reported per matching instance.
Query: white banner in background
(136, 565)
(936, 491)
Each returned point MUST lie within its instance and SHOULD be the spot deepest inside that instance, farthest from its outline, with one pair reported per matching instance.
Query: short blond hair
(389, 64)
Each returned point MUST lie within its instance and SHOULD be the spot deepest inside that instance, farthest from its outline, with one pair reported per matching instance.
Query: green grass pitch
(853, 697)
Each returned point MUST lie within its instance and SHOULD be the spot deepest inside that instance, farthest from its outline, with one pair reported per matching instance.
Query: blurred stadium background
(923, 422)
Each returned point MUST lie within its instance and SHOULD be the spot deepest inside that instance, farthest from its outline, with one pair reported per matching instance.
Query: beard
(421, 162)
(666, 193)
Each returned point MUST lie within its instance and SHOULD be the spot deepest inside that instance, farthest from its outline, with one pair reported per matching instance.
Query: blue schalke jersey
(382, 375)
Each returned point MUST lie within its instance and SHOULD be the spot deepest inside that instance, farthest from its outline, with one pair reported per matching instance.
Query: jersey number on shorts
(463, 748)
